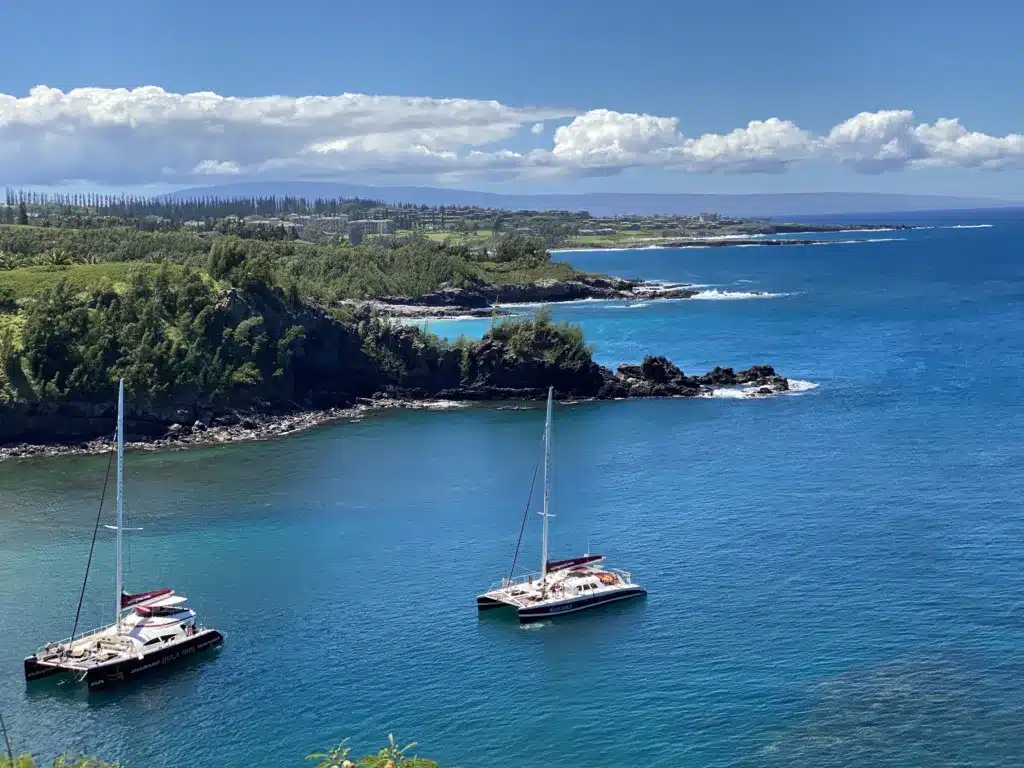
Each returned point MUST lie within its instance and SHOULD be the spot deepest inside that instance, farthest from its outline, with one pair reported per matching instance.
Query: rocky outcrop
(483, 296)
(659, 377)
(49, 428)
(358, 362)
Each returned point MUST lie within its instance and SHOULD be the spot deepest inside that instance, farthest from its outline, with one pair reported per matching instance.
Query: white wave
(717, 295)
(968, 226)
(729, 393)
(535, 304)
(638, 305)
(836, 231)
(444, 405)
(796, 387)
(595, 250)
(863, 240)
(533, 626)
(440, 319)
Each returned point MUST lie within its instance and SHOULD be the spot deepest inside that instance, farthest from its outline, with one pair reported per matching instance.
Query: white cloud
(118, 136)
(874, 142)
(134, 136)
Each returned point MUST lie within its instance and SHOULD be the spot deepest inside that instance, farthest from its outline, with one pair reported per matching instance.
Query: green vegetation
(560, 345)
(24, 283)
(245, 333)
(64, 761)
(35, 258)
(391, 756)
(228, 317)
(334, 221)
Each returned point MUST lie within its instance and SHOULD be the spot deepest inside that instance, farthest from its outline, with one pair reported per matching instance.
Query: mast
(120, 499)
(547, 486)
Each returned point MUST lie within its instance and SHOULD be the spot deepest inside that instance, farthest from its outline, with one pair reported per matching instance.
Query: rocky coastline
(42, 429)
(746, 238)
(486, 300)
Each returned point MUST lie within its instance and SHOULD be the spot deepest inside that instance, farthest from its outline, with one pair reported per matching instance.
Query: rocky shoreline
(486, 300)
(759, 238)
(655, 377)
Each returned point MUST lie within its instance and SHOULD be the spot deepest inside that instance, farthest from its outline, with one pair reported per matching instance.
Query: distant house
(374, 226)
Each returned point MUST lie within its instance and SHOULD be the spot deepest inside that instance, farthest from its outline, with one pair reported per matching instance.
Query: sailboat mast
(547, 485)
(120, 499)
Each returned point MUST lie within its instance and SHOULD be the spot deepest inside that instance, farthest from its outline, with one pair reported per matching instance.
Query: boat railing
(624, 575)
(52, 646)
(515, 581)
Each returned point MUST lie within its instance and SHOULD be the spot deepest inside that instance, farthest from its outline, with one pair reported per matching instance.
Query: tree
(516, 247)
(22, 213)
(226, 255)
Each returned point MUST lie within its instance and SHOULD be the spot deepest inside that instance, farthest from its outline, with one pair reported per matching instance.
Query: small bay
(834, 575)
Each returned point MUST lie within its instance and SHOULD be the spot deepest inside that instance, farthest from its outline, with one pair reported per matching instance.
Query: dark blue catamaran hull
(542, 612)
(109, 674)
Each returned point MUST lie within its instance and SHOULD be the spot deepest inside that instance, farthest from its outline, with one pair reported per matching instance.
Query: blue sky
(609, 74)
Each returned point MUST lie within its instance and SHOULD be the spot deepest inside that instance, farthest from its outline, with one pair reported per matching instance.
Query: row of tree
(407, 266)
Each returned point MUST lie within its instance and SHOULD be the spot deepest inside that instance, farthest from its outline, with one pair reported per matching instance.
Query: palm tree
(55, 258)
(394, 757)
(335, 757)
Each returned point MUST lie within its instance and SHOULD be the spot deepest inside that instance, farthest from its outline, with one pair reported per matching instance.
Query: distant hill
(611, 203)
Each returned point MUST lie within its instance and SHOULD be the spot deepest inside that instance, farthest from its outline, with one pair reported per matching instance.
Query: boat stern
(487, 603)
(36, 669)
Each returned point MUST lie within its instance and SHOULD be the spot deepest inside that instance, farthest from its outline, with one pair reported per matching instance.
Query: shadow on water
(943, 709)
(181, 677)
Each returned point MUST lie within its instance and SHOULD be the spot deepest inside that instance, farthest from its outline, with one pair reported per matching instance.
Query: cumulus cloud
(119, 136)
(146, 134)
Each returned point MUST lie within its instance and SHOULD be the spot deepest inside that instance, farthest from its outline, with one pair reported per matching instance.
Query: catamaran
(562, 586)
(150, 630)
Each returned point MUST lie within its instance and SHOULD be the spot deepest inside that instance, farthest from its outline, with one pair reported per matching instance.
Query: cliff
(250, 361)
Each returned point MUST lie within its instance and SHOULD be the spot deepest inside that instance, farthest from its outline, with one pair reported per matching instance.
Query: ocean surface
(836, 577)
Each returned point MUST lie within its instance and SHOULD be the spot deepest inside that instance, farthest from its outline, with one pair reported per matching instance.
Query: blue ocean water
(835, 576)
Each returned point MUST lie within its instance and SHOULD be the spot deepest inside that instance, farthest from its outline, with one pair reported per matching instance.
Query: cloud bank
(148, 135)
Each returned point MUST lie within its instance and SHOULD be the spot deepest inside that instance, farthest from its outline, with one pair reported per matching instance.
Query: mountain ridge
(612, 203)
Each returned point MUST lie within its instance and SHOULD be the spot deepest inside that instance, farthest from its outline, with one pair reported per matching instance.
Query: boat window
(154, 641)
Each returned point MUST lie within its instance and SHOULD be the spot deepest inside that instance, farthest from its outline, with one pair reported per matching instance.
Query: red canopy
(142, 597)
(558, 565)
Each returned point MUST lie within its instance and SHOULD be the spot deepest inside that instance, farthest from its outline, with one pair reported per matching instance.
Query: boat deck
(579, 582)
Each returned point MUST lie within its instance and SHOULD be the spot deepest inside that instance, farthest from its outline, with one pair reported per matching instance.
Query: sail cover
(558, 565)
(142, 597)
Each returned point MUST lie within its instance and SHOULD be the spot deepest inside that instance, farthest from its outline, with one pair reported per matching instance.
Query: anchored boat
(562, 586)
(150, 630)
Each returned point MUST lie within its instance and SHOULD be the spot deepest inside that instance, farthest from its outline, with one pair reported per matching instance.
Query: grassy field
(28, 281)
(506, 273)
(480, 238)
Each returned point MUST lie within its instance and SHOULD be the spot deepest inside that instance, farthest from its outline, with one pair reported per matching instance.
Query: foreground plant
(64, 761)
(391, 756)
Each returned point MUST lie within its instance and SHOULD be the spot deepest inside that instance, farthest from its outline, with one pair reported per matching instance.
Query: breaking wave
(968, 226)
(715, 294)
(862, 240)
(796, 387)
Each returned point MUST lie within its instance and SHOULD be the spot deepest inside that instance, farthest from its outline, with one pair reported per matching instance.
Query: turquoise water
(835, 576)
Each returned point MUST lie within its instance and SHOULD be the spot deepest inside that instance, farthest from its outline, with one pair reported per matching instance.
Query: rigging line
(7, 741)
(95, 530)
(526, 514)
